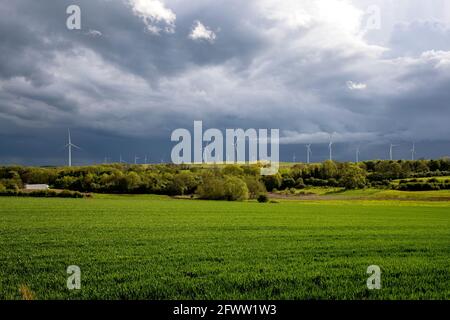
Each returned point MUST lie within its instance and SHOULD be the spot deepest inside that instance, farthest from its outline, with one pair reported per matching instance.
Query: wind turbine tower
(413, 151)
(308, 152)
(136, 158)
(330, 147)
(235, 151)
(357, 154)
(391, 151)
(69, 146)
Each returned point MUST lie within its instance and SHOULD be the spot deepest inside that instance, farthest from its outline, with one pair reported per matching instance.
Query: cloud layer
(141, 68)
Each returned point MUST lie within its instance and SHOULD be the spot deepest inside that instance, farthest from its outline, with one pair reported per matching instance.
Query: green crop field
(149, 247)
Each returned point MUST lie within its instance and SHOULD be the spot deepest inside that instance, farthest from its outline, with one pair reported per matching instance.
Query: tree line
(227, 182)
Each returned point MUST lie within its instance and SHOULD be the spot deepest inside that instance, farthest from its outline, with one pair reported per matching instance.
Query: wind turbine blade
(75, 146)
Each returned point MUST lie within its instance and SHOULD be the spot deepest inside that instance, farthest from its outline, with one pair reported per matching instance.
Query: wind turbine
(145, 159)
(391, 151)
(308, 152)
(357, 154)
(136, 158)
(294, 158)
(120, 159)
(413, 151)
(70, 145)
(330, 147)
(205, 155)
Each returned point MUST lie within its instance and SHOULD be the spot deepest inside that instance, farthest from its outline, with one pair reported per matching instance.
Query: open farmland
(150, 247)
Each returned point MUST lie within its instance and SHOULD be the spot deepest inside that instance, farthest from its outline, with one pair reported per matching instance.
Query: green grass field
(327, 193)
(149, 247)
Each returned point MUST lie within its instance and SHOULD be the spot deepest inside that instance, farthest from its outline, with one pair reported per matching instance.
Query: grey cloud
(259, 73)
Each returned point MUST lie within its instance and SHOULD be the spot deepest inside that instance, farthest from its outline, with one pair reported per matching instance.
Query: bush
(235, 189)
(262, 198)
(44, 194)
(299, 184)
(255, 186)
(353, 177)
(10, 193)
(232, 170)
(332, 182)
(223, 188)
(316, 182)
(71, 194)
(426, 186)
(272, 182)
(211, 188)
(287, 183)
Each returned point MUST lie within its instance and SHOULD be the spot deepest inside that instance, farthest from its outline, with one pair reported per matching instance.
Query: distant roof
(36, 186)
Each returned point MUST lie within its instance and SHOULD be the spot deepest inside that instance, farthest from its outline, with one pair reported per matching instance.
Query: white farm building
(36, 187)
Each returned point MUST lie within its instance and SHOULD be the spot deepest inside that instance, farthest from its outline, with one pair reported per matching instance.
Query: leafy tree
(329, 170)
(228, 188)
(211, 188)
(232, 170)
(182, 183)
(388, 169)
(353, 177)
(235, 189)
(131, 181)
(272, 182)
(255, 186)
(65, 182)
(287, 182)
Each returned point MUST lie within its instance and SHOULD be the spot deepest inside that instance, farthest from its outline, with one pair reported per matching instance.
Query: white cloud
(294, 14)
(356, 85)
(440, 58)
(154, 13)
(94, 33)
(200, 32)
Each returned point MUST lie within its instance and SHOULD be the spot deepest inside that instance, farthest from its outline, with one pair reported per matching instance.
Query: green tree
(211, 188)
(131, 181)
(182, 183)
(232, 170)
(328, 170)
(352, 176)
(255, 186)
(272, 182)
(235, 189)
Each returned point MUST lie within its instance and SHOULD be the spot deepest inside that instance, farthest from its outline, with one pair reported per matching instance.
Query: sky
(372, 72)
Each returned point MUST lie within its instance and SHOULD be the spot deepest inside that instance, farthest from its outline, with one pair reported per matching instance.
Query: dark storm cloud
(300, 67)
